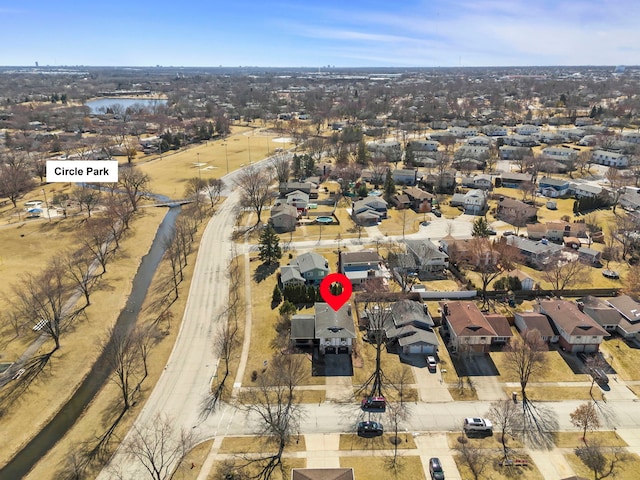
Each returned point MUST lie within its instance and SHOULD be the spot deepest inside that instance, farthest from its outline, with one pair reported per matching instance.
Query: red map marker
(335, 301)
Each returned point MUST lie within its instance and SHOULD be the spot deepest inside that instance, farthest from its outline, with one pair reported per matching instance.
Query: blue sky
(310, 33)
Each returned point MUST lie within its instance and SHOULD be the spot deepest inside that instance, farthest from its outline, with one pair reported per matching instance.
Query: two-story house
(466, 330)
(515, 212)
(577, 331)
(536, 254)
(610, 159)
(361, 266)
(420, 201)
(430, 261)
(313, 267)
(369, 210)
(332, 331)
(553, 187)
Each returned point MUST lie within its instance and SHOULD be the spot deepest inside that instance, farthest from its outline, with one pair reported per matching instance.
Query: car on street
(480, 425)
(374, 404)
(370, 429)
(435, 469)
(507, 233)
(431, 363)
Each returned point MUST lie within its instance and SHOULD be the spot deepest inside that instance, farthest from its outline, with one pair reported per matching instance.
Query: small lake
(100, 105)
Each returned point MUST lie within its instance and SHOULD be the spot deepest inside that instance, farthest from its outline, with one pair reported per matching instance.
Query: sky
(311, 33)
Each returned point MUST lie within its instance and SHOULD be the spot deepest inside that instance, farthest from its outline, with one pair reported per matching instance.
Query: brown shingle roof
(567, 315)
(500, 324)
(322, 474)
(537, 321)
(467, 321)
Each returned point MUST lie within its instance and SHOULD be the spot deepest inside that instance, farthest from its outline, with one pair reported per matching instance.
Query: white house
(475, 202)
(611, 159)
(560, 153)
(527, 129)
(424, 145)
(298, 199)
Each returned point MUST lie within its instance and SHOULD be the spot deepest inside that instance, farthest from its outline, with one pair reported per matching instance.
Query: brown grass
(625, 358)
(252, 445)
(191, 464)
(288, 464)
(351, 441)
(101, 412)
(574, 439)
(556, 394)
(555, 369)
(629, 470)
(496, 472)
(491, 442)
(377, 467)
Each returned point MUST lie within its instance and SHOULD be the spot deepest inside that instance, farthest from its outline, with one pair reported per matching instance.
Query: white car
(474, 424)
(431, 363)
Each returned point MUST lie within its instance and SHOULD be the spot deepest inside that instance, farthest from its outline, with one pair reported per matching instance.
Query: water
(26, 459)
(101, 104)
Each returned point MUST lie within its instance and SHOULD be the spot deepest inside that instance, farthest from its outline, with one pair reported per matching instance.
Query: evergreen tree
(389, 187)
(362, 154)
(270, 251)
(409, 156)
(480, 228)
(276, 298)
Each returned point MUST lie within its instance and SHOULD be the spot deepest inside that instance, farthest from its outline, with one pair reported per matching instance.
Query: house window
(594, 337)
(578, 336)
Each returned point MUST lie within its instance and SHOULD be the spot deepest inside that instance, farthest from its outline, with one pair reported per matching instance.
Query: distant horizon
(356, 34)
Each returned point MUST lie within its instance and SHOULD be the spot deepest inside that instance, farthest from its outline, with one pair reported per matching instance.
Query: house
(472, 151)
(510, 152)
(559, 229)
(478, 141)
(313, 267)
(494, 130)
(298, 199)
(521, 141)
(369, 210)
(290, 275)
(420, 201)
(611, 159)
(358, 267)
(578, 332)
(535, 253)
(476, 251)
(385, 147)
(536, 231)
(602, 312)
(589, 255)
(444, 181)
(553, 187)
(515, 211)
(464, 132)
(629, 325)
(526, 321)
(584, 190)
(322, 474)
(483, 182)
(526, 282)
(630, 200)
(632, 137)
(527, 129)
(467, 331)
(410, 325)
(501, 326)
(333, 331)
(400, 201)
(429, 259)
(424, 145)
(475, 202)
(513, 179)
(284, 218)
(560, 153)
(404, 176)
(306, 187)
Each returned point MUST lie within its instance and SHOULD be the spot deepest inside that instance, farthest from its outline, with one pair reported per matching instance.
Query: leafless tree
(159, 446)
(277, 406)
(253, 184)
(194, 188)
(282, 167)
(15, 178)
(562, 272)
(79, 271)
(40, 300)
(632, 281)
(585, 417)
(124, 361)
(525, 357)
(87, 196)
(134, 182)
(616, 182)
(118, 213)
(507, 419)
(95, 237)
(603, 462)
(472, 457)
(214, 188)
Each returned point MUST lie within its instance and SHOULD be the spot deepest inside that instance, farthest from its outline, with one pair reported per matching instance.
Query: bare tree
(507, 419)
(282, 167)
(87, 196)
(616, 182)
(253, 184)
(632, 281)
(158, 446)
(585, 417)
(602, 462)
(95, 238)
(134, 182)
(277, 406)
(472, 457)
(525, 357)
(15, 178)
(124, 361)
(214, 188)
(562, 272)
(40, 299)
(79, 270)
(194, 188)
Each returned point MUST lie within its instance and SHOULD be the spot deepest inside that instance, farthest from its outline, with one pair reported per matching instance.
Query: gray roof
(333, 324)
(425, 249)
(310, 261)
(533, 247)
(627, 306)
(303, 327)
(555, 182)
(289, 273)
(365, 256)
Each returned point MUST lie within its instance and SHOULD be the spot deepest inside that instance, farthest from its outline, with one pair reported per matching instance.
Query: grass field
(606, 438)
(556, 394)
(410, 466)
(555, 369)
(628, 471)
(626, 357)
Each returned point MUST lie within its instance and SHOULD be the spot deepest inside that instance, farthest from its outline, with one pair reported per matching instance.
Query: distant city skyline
(359, 33)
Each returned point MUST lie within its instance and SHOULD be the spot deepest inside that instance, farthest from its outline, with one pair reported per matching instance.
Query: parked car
(431, 363)
(435, 469)
(599, 375)
(583, 356)
(374, 404)
(436, 212)
(474, 424)
(507, 233)
(611, 274)
(370, 429)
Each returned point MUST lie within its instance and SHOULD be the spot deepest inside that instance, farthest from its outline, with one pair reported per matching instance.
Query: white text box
(82, 171)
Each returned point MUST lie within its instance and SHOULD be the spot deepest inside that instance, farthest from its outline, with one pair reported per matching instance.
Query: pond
(100, 105)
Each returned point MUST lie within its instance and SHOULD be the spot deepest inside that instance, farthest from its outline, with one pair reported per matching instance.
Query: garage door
(590, 348)
(429, 349)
